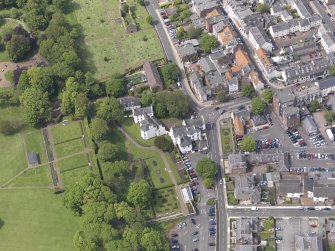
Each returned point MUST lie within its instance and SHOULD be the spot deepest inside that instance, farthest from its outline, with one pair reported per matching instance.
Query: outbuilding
(33, 159)
(309, 125)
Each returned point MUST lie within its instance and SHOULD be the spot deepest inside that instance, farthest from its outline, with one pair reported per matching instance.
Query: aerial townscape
(167, 125)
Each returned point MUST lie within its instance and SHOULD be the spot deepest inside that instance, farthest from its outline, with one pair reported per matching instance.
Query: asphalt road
(319, 9)
(278, 213)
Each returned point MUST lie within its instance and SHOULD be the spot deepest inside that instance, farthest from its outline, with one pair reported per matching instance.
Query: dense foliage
(248, 144)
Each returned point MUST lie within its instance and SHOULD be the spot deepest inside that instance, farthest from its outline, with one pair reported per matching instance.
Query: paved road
(319, 9)
(278, 213)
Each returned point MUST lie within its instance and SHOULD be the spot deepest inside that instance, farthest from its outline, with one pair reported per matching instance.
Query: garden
(165, 201)
(227, 138)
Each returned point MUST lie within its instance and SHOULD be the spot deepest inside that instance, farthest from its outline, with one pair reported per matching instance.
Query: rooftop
(241, 57)
(326, 83)
(152, 74)
(284, 95)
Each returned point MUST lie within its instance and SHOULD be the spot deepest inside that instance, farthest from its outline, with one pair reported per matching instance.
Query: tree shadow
(2, 223)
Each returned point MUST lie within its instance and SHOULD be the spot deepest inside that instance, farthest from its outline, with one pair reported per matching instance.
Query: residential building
(233, 86)
(284, 106)
(226, 35)
(150, 127)
(129, 103)
(327, 41)
(152, 76)
(190, 137)
(211, 21)
(326, 86)
(259, 39)
(246, 190)
(266, 65)
(289, 188)
(187, 53)
(218, 27)
(311, 71)
(243, 115)
(276, 10)
(238, 128)
(259, 121)
(202, 8)
(200, 91)
(302, 8)
(305, 94)
(255, 80)
(285, 16)
(244, 231)
(140, 114)
(215, 82)
(237, 164)
(304, 49)
(308, 242)
(206, 65)
(324, 190)
(309, 125)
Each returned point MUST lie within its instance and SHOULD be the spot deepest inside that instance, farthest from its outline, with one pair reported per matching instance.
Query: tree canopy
(314, 105)
(248, 144)
(153, 240)
(267, 95)
(248, 91)
(208, 42)
(258, 106)
(164, 143)
(139, 194)
(116, 86)
(170, 73)
(330, 116)
(173, 104)
(110, 109)
(99, 129)
(207, 168)
(109, 152)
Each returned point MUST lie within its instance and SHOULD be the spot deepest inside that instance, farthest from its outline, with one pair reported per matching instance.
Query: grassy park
(134, 131)
(165, 201)
(227, 139)
(36, 177)
(35, 220)
(108, 48)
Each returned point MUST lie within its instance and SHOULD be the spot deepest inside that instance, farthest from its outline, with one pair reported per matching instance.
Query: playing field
(35, 220)
(107, 48)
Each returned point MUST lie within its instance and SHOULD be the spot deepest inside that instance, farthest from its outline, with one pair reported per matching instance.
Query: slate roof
(129, 101)
(152, 74)
(324, 188)
(326, 83)
(33, 158)
(308, 242)
(309, 124)
(196, 122)
(206, 65)
(237, 161)
(259, 36)
(285, 95)
(148, 123)
(289, 186)
(143, 111)
(303, 8)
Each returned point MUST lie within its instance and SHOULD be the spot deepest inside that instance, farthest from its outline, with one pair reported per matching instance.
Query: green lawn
(227, 140)
(70, 147)
(331, 247)
(165, 201)
(12, 154)
(106, 48)
(134, 131)
(230, 186)
(231, 198)
(157, 171)
(174, 169)
(268, 224)
(34, 142)
(71, 168)
(39, 177)
(66, 133)
(35, 220)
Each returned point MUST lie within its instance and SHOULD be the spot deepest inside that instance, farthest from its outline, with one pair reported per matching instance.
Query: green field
(71, 168)
(35, 220)
(12, 154)
(159, 175)
(70, 147)
(165, 201)
(62, 134)
(173, 169)
(134, 131)
(106, 48)
(34, 143)
(35, 177)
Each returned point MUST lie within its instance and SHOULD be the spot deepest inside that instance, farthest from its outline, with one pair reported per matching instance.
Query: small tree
(99, 129)
(263, 8)
(164, 143)
(221, 96)
(207, 168)
(139, 194)
(267, 95)
(257, 106)
(330, 116)
(314, 105)
(248, 144)
(208, 42)
(208, 182)
(332, 70)
(248, 91)
(170, 73)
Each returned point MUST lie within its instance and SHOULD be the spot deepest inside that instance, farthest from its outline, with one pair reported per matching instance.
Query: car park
(174, 241)
(195, 233)
(211, 244)
(195, 240)
(174, 235)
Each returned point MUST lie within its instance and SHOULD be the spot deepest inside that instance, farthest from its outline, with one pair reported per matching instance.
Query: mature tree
(248, 91)
(330, 116)
(132, 237)
(109, 152)
(70, 92)
(81, 105)
(175, 104)
(42, 78)
(267, 95)
(332, 70)
(139, 193)
(23, 83)
(160, 110)
(146, 99)
(18, 47)
(221, 96)
(140, 2)
(314, 105)
(207, 168)
(99, 129)
(258, 106)
(36, 106)
(208, 42)
(248, 144)
(263, 8)
(153, 240)
(164, 143)
(83, 242)
(170, 73)
(110, 109)
(116, 86)
(88, 188)
(36, 14)
(117, 168)
(208, 182)
(125, 211)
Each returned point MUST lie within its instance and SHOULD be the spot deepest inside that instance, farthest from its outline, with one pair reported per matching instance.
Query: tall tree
(83, 242)
(36, 106)
(208, 42)
(70, 92)
(110, 109)
(207, 168)
(267, 95)
(116, 86)
(18, 47)
(139, 194)
(248, 144)
(153, 240)
(81, 105)
(258, 106)
(99, 129)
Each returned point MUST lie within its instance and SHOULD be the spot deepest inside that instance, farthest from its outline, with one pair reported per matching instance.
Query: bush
(9, 127)
(164, 143)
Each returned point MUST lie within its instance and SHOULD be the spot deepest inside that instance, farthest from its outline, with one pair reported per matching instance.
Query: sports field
(35, 220)
(107, 48)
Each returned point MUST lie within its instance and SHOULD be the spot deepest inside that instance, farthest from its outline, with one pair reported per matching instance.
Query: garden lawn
(174, 169)
(34, 143)
(227, 140)
(34, 177)
(71, 168)
(70, 147)
(62, 134)
(134, 131)
(231, 198)
(157, 171)
(331, 247)
(12, 154)
(165, 201)
(35, 220)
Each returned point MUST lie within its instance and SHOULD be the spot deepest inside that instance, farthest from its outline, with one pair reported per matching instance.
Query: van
(254, 208)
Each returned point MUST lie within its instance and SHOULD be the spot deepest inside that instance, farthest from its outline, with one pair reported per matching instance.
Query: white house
(150, 127)
(327, 40)
(140, 114)
(190, 136)
(326, 86)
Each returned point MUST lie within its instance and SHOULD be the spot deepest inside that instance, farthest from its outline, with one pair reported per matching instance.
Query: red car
(195, 183)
